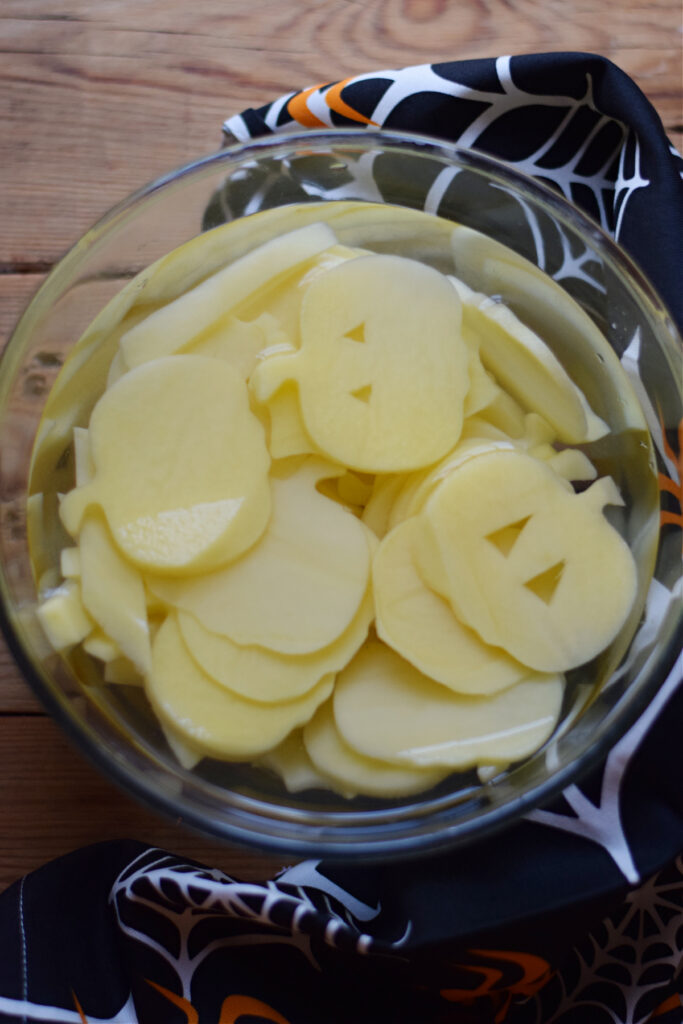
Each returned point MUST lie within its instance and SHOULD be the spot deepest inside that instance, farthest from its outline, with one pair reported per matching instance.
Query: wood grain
(96, 99)
(100, 98)
(52, 801)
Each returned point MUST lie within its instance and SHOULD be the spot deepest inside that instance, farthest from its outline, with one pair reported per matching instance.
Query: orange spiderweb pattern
(667, 483)
(298, 107)
(79, 1008)
(233, 1009)
(535, 973)
(334, 100)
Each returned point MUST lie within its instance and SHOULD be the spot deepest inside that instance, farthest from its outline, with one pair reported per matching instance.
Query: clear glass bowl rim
(256, 823)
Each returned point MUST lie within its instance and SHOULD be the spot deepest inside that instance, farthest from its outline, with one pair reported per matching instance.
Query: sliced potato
(352, 772)
(528, 564)
(63, 617)
(291, 762)
(269, 676)
(421, 626)
(182, 321)
(209, 717)
(385, 408)
(298, 589)
(113, 594)
(177, 498)
(524, 365)
(384, 708)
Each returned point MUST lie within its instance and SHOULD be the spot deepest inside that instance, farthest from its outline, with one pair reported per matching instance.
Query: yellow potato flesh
(384, 708)
(63, 617)
(177, 324)
(290, 761)
(354, 772)
(175, 495)
(378, 509)
(258, 316)
(236, 341)
(287, 435)
(209, 717)
(525, 366)
(268, 676)
(113, 593)
(295, 591)
(383, 409)
(528, 564)
(421, 626)
(547, 309)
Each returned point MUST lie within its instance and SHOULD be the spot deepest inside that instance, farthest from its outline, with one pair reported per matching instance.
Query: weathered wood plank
(102, 98)
(98, 98)
(52, 801)
(15, 693)
(16, 291)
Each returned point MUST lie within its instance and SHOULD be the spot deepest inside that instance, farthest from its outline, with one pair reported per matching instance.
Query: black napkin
(573, 915)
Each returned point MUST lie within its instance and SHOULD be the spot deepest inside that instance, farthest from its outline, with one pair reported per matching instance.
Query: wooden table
(98, 98)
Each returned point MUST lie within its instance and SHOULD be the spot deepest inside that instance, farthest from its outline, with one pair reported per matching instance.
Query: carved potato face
(382, 371)
(531, 566)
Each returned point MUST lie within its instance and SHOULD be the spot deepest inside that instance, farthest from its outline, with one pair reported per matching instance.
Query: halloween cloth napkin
(575, 914)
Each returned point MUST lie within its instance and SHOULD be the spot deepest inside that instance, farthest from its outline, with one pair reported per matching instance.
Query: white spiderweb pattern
(273, 913)
(617, 972)
(567, 176)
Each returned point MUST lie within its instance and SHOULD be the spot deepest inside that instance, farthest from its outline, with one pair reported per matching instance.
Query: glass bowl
(114, 725)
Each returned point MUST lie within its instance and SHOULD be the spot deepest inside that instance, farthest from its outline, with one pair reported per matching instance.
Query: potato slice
(188, 757)
(177, 496)
(528, 564)
(526, 368)
(298, 589)
(571, 464)
(210, 718)
(483, 389)
(99, 646)
(113, 593)
(378, 509)
(390, 327)
(70, 563)
(63, 617)
(291, 762)
(287, 434)
(268, 676)
(421, 626)
(122, 672)
(352, 772)
(238, 342)
(419, 485)
(183, 320)
(384, 708)
(549, 310)
(83, 465)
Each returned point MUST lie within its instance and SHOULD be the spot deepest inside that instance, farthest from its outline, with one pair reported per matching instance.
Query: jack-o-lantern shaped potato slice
(421, 626)
(382, 371)
(527, 563)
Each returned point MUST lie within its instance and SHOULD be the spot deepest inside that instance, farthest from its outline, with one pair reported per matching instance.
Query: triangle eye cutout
(363, 394)
(546, 583)
(357, 333)
(506, 538)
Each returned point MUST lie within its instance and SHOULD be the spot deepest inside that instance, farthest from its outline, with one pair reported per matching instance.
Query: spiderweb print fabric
(573, 121)
(575, 914)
